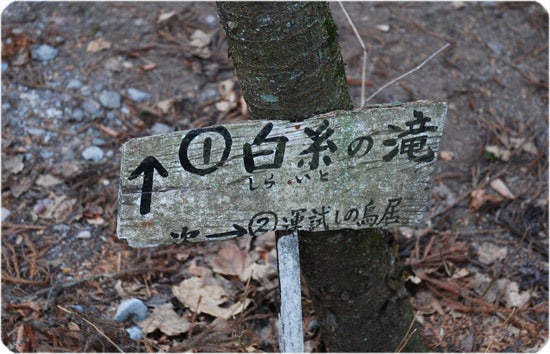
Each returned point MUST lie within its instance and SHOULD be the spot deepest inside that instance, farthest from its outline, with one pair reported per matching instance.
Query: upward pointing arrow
(147, 167)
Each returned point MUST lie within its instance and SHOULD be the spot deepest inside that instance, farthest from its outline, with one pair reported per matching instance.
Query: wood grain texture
(370, 167)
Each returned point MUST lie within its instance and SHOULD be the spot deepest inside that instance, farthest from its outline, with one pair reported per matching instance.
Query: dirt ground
(480, 258)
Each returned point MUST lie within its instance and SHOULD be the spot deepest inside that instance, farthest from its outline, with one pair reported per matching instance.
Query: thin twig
(363, 75)
(91, 324)
(406, 337)
(410, 71)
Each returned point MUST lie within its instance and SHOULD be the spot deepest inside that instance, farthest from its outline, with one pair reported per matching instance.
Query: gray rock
(77, 114)
(84, 234)
(495, 47)
(161, 128)
(78, 308)
(36, 131)
(113, 64)
(5, 214)
(91, 106)
(74, 84)
(137, 95)
(44, 53)
(133, 309)
(92, 153)
(86, 90)
(135, 333)
(5, 67)
(110, 99)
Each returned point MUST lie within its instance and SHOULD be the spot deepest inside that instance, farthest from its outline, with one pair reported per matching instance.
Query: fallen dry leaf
(209, 299)
(147, 67)
(14, 164)
(479, 198)
(165, 106)
(59, 210)
(446, 155)
(233, 261)
(499, 186)
(200, 39)
(166, 320)
(165, 16)
(26, 339)
(98, 45)
(498, 152)
(490, 253)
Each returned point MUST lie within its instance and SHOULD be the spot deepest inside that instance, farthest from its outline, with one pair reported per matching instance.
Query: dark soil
(480, 259)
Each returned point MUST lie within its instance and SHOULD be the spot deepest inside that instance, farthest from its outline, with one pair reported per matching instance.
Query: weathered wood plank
(370, 167)
(291, 337)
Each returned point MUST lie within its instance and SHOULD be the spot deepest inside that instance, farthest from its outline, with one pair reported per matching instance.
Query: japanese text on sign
(358, 169)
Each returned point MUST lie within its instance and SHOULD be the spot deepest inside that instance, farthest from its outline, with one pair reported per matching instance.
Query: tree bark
(289, 65)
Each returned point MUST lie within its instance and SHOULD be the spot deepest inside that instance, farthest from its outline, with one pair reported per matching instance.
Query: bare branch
(363, 75)
(409, 72)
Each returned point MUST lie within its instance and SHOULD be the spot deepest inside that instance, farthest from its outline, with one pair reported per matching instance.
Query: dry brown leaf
(166, 320)
(147, 67)
(26, 339)
(60, 210)
(499, 186)
(98, 45)
(165, 16)
(231, 260)
(209, 299)
(479, 198)
(446, 155)
(13, 163)
(200, 39)
(498, 152)
(165, 106)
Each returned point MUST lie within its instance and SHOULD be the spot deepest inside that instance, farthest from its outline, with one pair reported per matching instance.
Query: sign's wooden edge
(439, 102)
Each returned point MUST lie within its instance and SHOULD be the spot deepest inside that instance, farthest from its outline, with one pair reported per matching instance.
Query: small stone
(113, 64)
(36, 131)
(78, 308)
(91, 106)
(53, 113)
(44, 53)
(84, 234)
(495, 47)
(77, 114)
(74, 84)
(133, 309)
(211, 20)
(161, 128)
(137, 95)
(135, 333)
(110, 99)
(92, 153)
(5, 214)
(86, 90)
(48, 180)
(5, 67)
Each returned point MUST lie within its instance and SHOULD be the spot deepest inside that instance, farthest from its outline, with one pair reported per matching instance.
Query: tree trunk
(289, 65)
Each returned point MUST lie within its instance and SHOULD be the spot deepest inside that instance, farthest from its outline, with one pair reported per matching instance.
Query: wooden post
(291, 339)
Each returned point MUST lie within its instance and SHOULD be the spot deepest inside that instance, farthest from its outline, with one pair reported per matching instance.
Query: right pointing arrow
(239, 231)
(147, 167)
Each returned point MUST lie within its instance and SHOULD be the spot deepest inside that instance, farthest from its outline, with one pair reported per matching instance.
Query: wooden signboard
(370, 167)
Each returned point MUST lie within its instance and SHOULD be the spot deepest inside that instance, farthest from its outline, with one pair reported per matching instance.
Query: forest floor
(79, 79)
